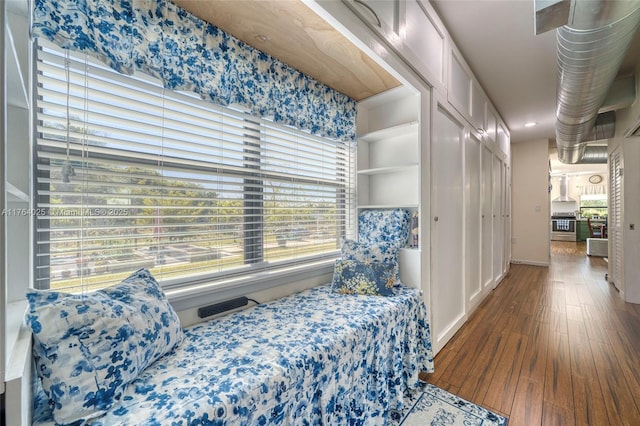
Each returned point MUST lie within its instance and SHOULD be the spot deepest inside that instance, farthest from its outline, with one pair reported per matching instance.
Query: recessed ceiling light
(531, 124)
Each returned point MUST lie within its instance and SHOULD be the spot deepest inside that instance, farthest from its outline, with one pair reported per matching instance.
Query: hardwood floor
(550, 346)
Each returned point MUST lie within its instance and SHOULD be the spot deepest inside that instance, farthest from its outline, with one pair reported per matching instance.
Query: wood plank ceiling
(290, 31)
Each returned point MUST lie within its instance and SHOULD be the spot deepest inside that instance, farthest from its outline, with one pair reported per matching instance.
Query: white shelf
(390, 169)
(389, 151)
(15, 194)
(388, 206)
(391, 132)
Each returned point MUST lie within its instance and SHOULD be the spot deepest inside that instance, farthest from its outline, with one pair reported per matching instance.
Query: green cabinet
(582, 230)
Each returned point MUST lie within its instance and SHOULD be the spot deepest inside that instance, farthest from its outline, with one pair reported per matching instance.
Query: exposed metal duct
(605, 128)
(590, 50)
(594, 155)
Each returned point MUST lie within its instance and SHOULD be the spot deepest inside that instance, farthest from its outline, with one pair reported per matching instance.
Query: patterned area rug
(433, 406)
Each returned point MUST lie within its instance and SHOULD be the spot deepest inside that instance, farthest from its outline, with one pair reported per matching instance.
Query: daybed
(322, 356)
(315, 357)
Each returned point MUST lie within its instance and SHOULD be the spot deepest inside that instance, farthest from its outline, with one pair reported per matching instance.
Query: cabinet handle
(373, 12)
(435, 218)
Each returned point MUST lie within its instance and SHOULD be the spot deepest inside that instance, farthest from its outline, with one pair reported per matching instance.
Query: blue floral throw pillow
(390, 226)
(372, 279)
(369, 253)
(88, 347)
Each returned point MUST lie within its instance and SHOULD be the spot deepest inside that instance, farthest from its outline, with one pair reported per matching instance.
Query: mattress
(315, 357)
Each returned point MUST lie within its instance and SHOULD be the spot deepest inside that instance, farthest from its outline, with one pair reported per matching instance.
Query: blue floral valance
(186, 53)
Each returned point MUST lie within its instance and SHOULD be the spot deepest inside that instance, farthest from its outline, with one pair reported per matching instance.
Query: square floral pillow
(88, 347)
(371, 253)
(390, 226)
(371, 279)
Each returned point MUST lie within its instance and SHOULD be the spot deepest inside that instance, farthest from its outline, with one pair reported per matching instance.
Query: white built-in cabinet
(460, 83)
(389, 150)
(425, 43)
(498, 219)
(413, 31)
(17, 210)
(486, 209)
(473, 208)
(469, 214)
(464, 203)
(448, 307)
(465, 94)
(389, 162)
(382, 15)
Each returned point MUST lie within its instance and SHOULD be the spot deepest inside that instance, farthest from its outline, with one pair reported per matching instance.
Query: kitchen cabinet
(582, 230)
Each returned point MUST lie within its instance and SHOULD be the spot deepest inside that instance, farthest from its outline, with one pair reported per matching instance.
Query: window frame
(244, 279)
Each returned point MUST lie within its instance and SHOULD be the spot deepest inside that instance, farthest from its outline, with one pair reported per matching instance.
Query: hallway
(550, 346)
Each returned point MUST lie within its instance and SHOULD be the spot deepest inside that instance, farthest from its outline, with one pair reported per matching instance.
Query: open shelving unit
(388, 162)
(388, 151)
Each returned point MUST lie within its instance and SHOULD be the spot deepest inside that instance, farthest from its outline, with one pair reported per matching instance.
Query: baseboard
(2, 416)
(529, 262)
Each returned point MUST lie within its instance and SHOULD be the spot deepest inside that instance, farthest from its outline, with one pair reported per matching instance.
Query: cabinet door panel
(424, 43)
(503, 139)
(490, 125)
(478, 102)
(459, 89)
(487, 221)
(447, 284)
(473, 211)
(498, 220)
(506, 214)
(380, 14)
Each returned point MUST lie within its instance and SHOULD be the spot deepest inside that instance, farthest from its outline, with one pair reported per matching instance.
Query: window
(130, 175)
(593, 205)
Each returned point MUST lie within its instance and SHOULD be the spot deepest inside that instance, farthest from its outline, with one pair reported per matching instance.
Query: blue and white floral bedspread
(315, 357)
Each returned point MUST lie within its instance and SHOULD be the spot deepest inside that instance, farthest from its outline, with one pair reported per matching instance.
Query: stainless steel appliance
(563, 227)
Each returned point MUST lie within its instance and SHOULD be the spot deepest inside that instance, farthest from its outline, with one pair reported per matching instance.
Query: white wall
(530, 203)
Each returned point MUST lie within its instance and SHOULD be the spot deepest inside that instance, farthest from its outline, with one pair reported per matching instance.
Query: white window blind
(167, 181)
